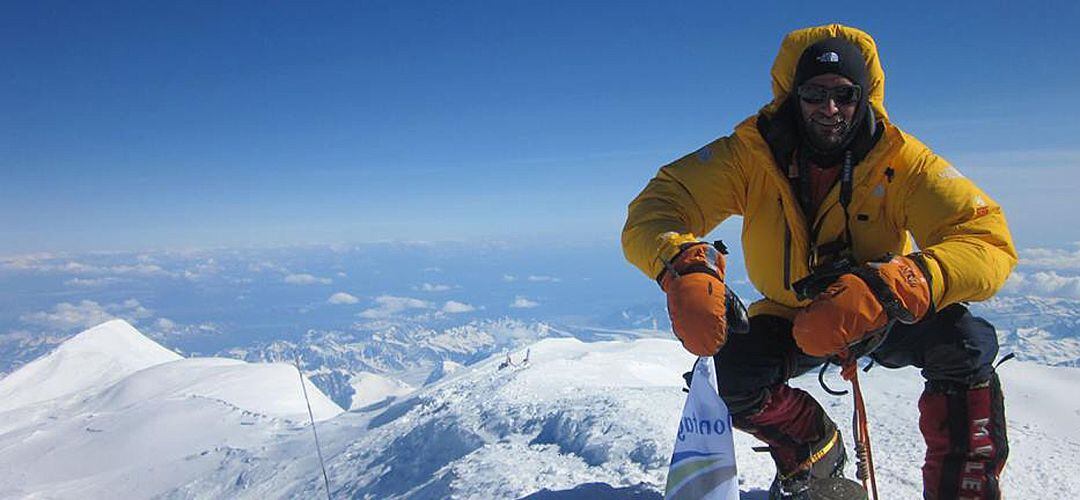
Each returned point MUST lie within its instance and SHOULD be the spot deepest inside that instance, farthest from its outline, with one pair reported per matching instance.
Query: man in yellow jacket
(826, 183)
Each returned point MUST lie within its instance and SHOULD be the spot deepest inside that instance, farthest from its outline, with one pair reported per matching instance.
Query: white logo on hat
(829, 57)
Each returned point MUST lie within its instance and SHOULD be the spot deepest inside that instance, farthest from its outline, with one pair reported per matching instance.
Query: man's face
(828, 122)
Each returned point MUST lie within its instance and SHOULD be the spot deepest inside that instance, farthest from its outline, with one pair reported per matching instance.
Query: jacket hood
(783, 68)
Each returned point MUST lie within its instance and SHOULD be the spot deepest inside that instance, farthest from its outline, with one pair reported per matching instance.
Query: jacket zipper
(787, 247)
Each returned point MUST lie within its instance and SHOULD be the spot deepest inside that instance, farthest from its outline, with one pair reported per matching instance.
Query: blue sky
(193, 124)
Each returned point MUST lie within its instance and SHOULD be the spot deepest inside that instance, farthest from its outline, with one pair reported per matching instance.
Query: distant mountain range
(1039, 330)
(410, 352)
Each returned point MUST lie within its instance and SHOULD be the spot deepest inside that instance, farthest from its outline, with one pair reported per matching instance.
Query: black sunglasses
(816, 94)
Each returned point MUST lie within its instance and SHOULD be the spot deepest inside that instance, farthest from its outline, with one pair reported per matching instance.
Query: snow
(139, 431)
(267, 389)
(442, 370)
(372, 388)
(94, 358)
(580, 417)
(605, 414)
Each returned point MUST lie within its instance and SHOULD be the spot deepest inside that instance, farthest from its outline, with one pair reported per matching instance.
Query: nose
(829, 107)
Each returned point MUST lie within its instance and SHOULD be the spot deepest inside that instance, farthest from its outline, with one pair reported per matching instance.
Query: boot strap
(814, 457)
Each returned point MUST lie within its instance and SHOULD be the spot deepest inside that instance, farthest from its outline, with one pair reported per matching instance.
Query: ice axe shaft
(863, 451)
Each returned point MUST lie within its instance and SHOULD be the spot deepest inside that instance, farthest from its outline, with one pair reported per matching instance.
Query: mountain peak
(117, 339)
(92, 359)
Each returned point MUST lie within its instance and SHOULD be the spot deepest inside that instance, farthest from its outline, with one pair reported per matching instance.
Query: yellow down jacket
(899, 187)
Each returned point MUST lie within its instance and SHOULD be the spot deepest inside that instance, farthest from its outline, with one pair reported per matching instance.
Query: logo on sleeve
(981, 208)
(950, 173)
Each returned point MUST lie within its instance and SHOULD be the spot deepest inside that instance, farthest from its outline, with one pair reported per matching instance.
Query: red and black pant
(961, 409)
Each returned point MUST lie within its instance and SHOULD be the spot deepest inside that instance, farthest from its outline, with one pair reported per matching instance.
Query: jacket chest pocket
(871, 209)
(874, 233)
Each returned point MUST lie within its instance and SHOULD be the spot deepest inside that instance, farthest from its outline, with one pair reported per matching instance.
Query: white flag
(703, 464)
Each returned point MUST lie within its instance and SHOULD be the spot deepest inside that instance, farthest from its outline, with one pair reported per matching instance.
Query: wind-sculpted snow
(602, 417)
(420, 453)
(269, 389)
(584, 412)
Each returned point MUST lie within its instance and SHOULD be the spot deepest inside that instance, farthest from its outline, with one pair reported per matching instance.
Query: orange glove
(694, 283)
(851, 309)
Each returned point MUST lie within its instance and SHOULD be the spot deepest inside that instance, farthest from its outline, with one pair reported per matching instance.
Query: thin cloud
(389, 305)
(454, 307)
(42, 265)
(306, 279)
(342, 298)
(523, 303)
(25, 262)
(430, 287)
(1050, 258)
(1043, 284)
(165, 325)
(139, 270)
(67, 316)
(548, 279)
(91, 282)
(267, 266)
(203, 270)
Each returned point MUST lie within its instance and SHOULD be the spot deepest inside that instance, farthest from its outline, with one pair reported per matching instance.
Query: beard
(826, 134)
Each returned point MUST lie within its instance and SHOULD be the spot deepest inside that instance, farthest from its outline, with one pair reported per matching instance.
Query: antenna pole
(311, 416)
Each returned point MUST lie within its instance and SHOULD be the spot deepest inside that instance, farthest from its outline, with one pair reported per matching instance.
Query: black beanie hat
(832, 55)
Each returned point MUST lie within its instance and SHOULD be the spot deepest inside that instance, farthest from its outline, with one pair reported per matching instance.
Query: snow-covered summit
(94, 358)
(121, 415)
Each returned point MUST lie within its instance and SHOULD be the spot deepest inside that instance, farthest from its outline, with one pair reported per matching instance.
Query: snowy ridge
(584, 417)
(372, 388)
(140, 432)
(266, 389)
(571, 410)
(410, 352)
(93, 358)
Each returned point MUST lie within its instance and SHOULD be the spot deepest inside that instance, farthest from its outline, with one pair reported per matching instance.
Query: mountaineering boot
(813, 462)
(803, 441)
(966, 442)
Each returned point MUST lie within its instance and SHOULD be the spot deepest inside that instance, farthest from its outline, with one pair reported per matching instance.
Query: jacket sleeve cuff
(669, 245)
(930, 267)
